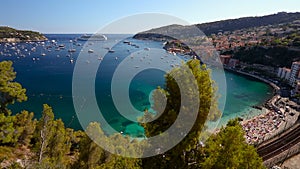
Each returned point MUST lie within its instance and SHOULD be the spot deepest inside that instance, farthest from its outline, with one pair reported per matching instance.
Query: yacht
(95, 37)
(127, 42)
(90, 51)
(111, 51)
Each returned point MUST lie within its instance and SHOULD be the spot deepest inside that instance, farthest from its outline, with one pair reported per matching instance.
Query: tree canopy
(10, 91)
(228, 149)
(184, 153)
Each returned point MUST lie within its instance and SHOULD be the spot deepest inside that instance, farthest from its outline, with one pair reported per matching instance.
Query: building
(279, 72)
(297, 88)
(284, 73)
(225, 59)
(294, 73)
(233, 62)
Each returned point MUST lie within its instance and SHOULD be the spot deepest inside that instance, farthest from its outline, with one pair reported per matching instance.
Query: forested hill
(225, 25)
(248, 22)
(8, 34)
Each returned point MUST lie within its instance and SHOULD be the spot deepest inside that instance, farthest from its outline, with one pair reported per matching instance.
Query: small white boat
(62, 46)
(111, 51)
(90, 51)
(72, 50)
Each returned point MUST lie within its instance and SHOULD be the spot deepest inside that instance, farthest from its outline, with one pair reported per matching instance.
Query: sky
(79, 16)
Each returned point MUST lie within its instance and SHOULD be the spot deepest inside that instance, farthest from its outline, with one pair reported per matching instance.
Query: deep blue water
(49, 80)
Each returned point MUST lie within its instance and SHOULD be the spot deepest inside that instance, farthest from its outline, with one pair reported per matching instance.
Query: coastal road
(282, 143)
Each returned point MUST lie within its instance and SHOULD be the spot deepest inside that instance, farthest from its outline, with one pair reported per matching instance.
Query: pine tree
(52, 140)
(184, 153)
(92, 156)
(10, 91)
(26, 125)
(228, 149)
(8, 133)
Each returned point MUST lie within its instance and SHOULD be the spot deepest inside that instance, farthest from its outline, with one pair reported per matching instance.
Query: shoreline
(275, 118)
(21, 41)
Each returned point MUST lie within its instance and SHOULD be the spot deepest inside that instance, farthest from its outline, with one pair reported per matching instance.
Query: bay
(48, 79)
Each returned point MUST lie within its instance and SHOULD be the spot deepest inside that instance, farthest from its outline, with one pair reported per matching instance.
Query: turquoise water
(242, 93)
(49, 80)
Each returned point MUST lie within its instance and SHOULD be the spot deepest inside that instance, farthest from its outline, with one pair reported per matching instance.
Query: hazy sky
(78, 16)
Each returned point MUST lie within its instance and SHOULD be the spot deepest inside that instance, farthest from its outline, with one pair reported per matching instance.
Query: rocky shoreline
(17, 40)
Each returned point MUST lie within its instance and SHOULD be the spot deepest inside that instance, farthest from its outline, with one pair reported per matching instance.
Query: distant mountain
(8, 34)
(222, 26)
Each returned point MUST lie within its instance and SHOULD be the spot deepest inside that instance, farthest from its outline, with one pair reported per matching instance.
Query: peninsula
(8, 34)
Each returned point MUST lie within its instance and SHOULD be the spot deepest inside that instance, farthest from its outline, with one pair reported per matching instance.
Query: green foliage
(118, 162)
(10, 91)
(5, 153)
(15, 165)
(26, 125)
(7, 32)
(183, 153)
(47, 163)
(273, 56)
(228, 149)
(52, 140)
(8, 133)
(92, 156)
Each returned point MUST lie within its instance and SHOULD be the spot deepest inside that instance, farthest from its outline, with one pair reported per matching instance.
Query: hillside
(223, 26)
(8, 34)
(269, 40)
(248, 22)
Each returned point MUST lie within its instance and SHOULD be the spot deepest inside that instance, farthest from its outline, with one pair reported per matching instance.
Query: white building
(294, 73)
(279, 72)
(284, 73)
